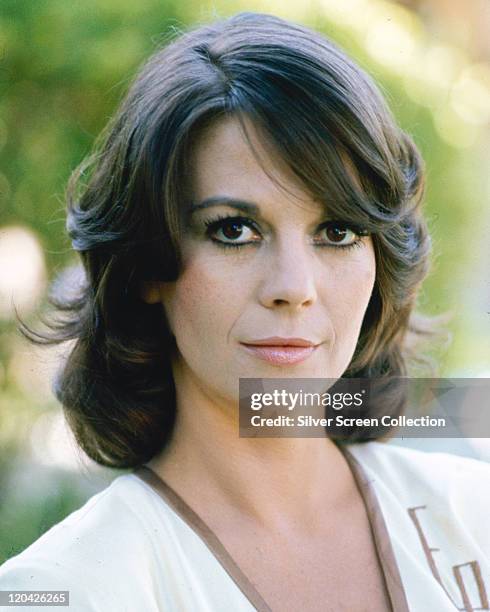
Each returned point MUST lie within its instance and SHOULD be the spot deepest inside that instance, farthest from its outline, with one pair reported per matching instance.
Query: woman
(253, 212)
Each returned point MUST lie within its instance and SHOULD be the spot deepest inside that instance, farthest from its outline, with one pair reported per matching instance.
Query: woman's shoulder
(92, 547)
(416, 474)
(397, 460)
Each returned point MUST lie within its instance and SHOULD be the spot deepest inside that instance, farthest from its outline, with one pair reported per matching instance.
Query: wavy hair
(126, 207)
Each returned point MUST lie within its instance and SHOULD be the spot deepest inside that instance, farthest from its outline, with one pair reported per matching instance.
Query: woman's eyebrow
(242, 205)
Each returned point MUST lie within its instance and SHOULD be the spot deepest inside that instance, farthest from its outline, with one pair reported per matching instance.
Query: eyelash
(213, 225)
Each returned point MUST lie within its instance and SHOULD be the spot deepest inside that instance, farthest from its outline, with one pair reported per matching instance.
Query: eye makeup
(236, 231)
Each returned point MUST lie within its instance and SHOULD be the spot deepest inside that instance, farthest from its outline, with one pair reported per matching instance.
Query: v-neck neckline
(379, 531)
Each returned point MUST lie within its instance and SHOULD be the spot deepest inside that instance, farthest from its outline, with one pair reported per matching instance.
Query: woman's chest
(338, 572)
(320, 582)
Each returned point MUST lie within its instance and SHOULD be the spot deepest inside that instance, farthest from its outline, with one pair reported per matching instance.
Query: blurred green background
(63, 68)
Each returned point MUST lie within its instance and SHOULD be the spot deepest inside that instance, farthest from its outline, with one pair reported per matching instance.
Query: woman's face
(261, 262)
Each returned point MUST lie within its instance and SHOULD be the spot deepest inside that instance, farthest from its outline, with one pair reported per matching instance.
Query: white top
(137, 546)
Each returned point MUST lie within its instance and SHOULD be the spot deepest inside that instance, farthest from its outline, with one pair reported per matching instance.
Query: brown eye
(232, 229)
(335, 233)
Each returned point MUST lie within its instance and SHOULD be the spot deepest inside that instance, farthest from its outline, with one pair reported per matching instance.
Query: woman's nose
(289, 278)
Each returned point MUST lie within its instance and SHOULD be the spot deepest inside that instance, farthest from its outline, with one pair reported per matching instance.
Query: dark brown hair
(126, 206)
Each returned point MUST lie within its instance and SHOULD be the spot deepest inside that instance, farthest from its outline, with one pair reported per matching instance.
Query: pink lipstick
(281, 351)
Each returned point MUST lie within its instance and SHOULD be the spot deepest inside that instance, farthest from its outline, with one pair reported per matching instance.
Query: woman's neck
(269, 480)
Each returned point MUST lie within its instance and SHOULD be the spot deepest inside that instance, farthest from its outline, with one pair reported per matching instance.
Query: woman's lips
(280, 355)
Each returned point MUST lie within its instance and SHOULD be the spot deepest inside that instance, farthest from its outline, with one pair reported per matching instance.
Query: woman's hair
(126, 213)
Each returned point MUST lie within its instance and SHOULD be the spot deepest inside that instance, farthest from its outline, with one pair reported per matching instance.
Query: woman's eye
(231, 231)
(241, 231)
(334, 233)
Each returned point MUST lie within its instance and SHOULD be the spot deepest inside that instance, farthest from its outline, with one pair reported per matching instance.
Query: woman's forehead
(237, 160)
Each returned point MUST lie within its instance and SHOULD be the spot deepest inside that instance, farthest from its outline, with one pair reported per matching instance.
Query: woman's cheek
(202, 297)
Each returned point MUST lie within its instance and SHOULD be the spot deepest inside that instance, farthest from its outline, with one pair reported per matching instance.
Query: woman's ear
(150, 292)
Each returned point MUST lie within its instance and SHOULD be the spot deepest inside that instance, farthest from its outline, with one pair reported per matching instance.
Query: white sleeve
(37, 574)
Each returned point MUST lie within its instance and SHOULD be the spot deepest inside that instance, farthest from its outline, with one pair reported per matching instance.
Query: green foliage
(65, 66)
